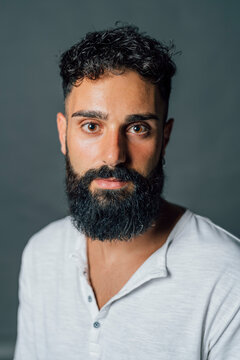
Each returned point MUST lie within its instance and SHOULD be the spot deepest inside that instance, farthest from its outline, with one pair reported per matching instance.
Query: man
(127, 275)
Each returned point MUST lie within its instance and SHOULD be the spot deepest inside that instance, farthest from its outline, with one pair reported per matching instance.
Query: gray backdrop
(202, 158)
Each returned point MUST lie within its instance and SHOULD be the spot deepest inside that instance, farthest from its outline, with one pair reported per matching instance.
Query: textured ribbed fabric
(183, 303)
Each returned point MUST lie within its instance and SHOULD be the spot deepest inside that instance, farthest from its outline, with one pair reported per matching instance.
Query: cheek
(82, 153)
(146, 157)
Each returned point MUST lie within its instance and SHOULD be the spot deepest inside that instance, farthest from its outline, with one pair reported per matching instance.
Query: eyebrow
(90, 114)
(141, 117)
(103, 116)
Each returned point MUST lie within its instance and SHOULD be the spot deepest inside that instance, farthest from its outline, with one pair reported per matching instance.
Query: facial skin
(111, 140)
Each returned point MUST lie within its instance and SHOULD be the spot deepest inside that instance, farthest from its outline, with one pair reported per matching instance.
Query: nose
(115, 151)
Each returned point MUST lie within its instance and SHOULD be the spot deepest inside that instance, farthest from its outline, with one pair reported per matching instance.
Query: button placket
(94, 346)
(96, 329)
(89, 297)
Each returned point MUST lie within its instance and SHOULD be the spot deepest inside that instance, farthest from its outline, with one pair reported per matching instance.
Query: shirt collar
(154, 266)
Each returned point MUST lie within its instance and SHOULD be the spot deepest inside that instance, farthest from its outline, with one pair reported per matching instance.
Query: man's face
(113, 122)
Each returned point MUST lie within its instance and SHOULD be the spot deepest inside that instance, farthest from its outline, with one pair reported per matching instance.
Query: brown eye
(90, 127)
(138, 129)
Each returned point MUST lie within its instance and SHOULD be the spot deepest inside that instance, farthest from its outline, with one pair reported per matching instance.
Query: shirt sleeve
(25, 349)
(227, 346)
(224, 342)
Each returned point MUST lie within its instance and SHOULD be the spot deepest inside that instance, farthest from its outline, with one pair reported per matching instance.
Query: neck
(116, 251)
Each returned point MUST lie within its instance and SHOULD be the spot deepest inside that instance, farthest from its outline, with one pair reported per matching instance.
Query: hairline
(118, 72)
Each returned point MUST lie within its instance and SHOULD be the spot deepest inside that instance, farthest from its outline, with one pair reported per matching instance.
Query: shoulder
(211, 235)
(58, 237)
(207, 245)
(219, 272)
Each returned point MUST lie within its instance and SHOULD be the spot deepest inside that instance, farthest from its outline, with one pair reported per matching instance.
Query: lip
(110, 183)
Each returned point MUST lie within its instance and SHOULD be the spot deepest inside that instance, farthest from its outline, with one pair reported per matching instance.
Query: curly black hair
(118, 49)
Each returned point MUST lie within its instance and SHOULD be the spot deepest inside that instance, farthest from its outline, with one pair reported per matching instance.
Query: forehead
(126, 93)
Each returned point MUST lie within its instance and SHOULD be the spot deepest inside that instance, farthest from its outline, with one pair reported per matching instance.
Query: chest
(108, 282)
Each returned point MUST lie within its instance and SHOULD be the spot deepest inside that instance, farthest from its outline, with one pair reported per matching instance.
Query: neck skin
(116, 252)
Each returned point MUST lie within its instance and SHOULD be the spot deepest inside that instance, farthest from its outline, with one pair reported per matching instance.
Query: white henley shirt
(183, 303)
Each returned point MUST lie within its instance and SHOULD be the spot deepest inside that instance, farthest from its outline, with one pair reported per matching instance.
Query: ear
(166, 133)
(62, 131)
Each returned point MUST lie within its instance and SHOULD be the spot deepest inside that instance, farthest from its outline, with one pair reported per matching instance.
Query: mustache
(120, 172)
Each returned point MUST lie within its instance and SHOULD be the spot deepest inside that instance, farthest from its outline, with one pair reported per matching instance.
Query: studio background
(203, 154)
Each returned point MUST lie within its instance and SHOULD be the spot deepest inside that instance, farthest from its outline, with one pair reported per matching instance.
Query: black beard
(119, 214)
